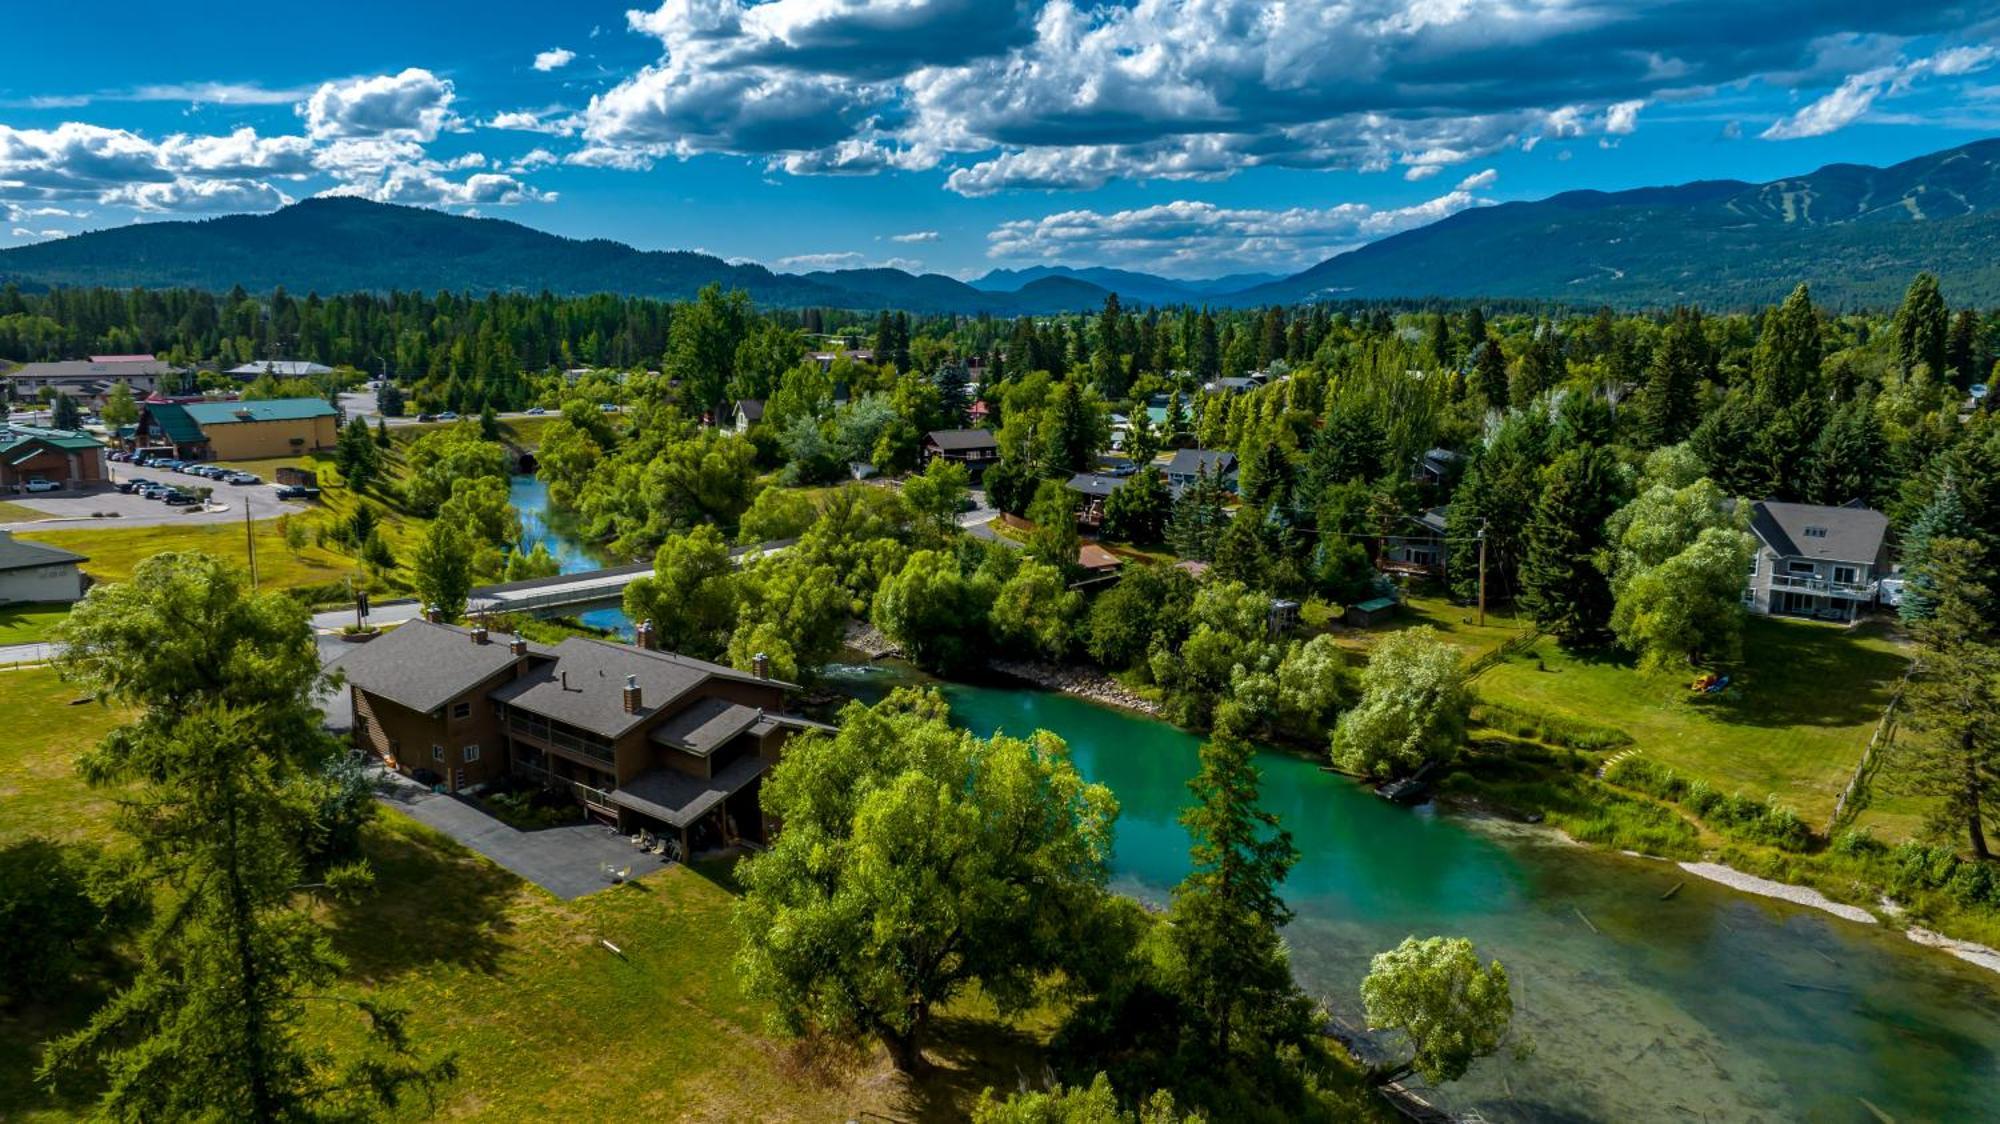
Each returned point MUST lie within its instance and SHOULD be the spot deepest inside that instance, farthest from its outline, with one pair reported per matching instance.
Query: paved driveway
(568, 862)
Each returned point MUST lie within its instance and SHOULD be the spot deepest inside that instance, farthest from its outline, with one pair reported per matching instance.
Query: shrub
(1556, 730)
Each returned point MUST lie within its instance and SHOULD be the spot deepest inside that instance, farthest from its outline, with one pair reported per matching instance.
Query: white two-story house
(1816, 561)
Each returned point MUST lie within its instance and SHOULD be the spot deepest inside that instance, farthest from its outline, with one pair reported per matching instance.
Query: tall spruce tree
(1562, 582)
(1954, 698)
(1784, 368)
(1230, 963)
(1921, 328)
(1941, 518)
(1670, 401)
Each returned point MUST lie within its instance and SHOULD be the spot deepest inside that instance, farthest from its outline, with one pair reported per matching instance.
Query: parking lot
(116, 509)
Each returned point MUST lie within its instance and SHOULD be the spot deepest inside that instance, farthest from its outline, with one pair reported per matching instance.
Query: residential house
(744, 413)
(279, 368)
(68, 457)
(1190, 463)
(973, 448)
(229, 431)
(35, 573)
(1097, 562)
(91, 380)
(643, 739)
(1231, 385)
(825, 359)
(1419, 553)
(1093, 490)
(1816, 561)
(1438, 466)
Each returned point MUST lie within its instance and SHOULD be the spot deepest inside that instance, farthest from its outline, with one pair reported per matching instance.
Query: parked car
(296, 492)
(177, 498)
(421, 418)
(129, 486)
(535, 411)
(448, 415)
(40, 485)
(243, 478)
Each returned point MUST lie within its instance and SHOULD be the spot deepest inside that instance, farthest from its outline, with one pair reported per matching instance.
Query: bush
(1736, 816)
(1919, 866)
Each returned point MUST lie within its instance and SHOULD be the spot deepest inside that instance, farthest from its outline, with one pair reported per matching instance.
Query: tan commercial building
(238, 431)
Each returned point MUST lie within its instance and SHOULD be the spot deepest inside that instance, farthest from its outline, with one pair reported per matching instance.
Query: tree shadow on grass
(24, 1031)
(1803, 676)
(967, 1056)
(434, 901)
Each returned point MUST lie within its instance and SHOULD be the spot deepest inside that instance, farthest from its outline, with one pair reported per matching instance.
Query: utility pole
(250, 541)
(1482, 573)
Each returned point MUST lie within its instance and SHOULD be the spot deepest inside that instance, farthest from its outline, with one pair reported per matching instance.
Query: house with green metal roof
(228, 431)
(68, 458)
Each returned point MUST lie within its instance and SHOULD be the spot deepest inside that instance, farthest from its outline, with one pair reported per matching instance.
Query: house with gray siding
(1816, 561)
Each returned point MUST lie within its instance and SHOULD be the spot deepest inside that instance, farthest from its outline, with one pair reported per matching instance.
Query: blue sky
(1186, 137)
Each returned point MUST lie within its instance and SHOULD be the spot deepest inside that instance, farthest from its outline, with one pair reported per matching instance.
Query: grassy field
(15, 513)
(1805, 700)
(26, 624)
(115, 552)
(47, 730)
(545, 1022)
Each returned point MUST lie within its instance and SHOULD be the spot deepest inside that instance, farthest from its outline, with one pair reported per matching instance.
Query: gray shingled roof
(584, 687)
(84, 368)
(18, 555)
(963, 440)
(706, 726)
(1092, 484)
(677, 799)
(1806, 530)
(424, 666)
(1187, 462)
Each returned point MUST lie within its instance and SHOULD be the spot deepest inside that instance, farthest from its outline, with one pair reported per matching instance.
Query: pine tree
(1200, 515)
(1784, 368)
(1941, 518)
(63, 412)
(1669, 403)
(354, 454)
(1489, 371)
(1964, 354)
(1954, 697)
(1562, 582)
(1921, 328)
(382, 433)
(1848, 458)
(1230, 963)
(1726, 443)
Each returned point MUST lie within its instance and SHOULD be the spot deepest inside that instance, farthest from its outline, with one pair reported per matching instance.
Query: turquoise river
(1710, 1006)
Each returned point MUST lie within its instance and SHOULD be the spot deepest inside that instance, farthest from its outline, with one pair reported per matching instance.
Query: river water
(1713, 1005)
(530, 498)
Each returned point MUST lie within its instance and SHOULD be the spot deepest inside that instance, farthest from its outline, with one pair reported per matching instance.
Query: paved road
(331, 647)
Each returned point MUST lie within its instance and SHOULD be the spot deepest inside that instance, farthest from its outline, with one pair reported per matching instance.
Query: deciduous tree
(1453, 1011)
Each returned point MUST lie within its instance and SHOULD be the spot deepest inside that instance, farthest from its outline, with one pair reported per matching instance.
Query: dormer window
(1815, 532)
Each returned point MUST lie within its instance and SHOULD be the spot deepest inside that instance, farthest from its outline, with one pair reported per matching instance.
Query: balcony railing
(1814, 584)
(554, 736)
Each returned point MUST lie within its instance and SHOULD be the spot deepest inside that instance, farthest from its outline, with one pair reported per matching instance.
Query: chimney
(433, 614)
(642, 635)
(479, 634)
(631, 694)
(761, 664)
(565, 679)
(517, 647)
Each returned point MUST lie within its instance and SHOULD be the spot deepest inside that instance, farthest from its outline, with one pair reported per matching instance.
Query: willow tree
(917, 862)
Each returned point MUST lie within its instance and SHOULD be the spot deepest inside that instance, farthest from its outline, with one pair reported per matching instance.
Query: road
(325, 625)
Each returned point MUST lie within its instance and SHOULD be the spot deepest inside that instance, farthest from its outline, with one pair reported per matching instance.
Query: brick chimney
(479, 634)
(517, 647)
(642, 635)
(631, 694)
(761, 664)
(433, 614)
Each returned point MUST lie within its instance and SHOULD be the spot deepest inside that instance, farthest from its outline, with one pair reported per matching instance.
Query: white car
(39, 485)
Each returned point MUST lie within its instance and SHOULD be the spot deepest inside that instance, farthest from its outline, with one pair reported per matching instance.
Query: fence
(1500, 652)
(1844, 806)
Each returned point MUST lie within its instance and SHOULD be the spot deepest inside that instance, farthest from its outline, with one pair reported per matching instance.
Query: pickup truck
(40, 485)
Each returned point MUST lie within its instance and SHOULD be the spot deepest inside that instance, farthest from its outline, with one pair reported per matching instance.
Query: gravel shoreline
(1783, 891)
(1080, 682)
(1968, 951)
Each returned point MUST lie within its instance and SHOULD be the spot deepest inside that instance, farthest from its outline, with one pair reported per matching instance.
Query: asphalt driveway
(568, 862)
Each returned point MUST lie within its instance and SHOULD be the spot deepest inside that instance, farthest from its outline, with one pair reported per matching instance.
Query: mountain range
(1855, 233)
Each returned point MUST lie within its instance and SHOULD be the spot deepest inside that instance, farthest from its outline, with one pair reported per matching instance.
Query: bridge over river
(585, 589)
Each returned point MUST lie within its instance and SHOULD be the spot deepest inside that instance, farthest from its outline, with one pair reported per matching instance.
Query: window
(1848, 574)
(461, 710)
(1797, 567)
(1815, 532)
(437, 754)
(469, 754)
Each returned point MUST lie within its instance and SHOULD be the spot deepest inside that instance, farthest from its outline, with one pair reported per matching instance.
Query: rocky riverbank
(1082, 682)
(869, 641)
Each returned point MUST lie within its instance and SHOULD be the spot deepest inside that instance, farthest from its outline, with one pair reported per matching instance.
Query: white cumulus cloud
(1854, 97)
(554, 59)
(413, 105)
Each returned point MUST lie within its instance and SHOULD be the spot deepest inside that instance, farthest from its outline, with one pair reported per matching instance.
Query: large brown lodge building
(644, 739)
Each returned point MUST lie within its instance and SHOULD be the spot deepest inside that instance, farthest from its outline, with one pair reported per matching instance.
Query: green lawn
(545, 1022)
(15, 513)
(1806, 699)
(26, 624)
(115, 552)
